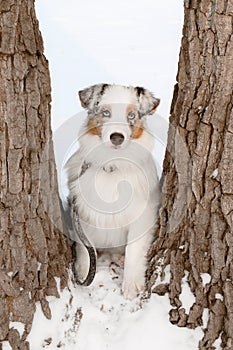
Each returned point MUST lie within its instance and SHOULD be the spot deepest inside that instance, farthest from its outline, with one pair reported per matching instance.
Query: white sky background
(124, 42)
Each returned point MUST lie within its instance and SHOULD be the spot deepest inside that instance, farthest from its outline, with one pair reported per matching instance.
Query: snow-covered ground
(101, 319)
(126, 42)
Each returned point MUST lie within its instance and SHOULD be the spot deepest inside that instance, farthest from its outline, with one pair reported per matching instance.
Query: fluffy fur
(112, 178)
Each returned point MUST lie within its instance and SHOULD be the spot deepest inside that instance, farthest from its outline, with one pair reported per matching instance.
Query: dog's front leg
(135, 263)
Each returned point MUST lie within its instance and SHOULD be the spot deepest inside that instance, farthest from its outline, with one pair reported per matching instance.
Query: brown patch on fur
(93, 127)
(153, 111)
(83, 104)
(137, 131)
(131, 108)
(137, 128)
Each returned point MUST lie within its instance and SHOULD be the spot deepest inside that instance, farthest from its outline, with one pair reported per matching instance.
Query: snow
(205, 317)
(219, 296)
(159, 271)
(215, 173)
(205, 278)
(19, 326)
(186, 297)
(6, 345)
(124, 42)
(109, 322)
(217, 343)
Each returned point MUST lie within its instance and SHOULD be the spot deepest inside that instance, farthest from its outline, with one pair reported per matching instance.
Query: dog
(112, 178)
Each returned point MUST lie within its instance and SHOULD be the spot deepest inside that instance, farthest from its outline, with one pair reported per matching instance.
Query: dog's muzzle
(117, 139)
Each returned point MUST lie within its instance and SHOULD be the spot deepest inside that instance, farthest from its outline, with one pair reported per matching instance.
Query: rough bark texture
(196, 217)
(32, 249)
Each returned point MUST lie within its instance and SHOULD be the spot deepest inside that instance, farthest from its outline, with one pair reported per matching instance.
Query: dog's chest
(114, 187)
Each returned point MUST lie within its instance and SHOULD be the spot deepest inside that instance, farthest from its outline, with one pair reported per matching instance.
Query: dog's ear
(90, 96)
(147, 102)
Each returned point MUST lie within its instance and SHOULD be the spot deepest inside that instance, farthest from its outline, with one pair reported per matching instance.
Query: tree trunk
(32, 248)
(196, 217)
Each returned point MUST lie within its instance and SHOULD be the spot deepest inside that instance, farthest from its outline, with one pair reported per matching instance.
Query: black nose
(117, 138)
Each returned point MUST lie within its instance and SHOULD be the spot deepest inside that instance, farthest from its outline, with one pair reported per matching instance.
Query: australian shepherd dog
(112, 178)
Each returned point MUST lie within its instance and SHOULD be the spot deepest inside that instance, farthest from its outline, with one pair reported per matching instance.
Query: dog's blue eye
(131, 115)
(106, 113)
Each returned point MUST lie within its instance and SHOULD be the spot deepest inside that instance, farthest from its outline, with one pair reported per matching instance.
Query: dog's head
(116, 113)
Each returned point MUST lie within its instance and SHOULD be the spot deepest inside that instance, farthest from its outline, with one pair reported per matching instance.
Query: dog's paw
(132, 287)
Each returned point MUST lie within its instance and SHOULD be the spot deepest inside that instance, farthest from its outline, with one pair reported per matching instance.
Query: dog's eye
(131, 115)
(106, 113)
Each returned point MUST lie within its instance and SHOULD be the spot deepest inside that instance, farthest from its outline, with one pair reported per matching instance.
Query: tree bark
(33, 249)
(196, 217)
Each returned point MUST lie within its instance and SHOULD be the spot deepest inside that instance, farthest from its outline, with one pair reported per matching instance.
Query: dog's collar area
(109, 168)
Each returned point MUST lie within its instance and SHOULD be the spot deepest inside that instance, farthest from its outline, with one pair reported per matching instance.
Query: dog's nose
(116, 138)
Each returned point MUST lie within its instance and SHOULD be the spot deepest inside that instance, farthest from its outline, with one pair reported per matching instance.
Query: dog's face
(116, 113)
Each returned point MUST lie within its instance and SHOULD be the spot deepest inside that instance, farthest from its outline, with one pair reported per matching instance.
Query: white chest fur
(114, 189)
